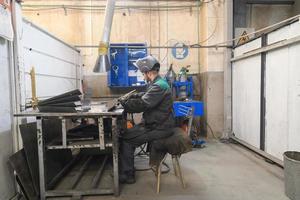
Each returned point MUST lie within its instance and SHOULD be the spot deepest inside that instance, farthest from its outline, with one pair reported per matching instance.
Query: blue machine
(123, 73)
(181, 108)
(190, 109)
(187, 85)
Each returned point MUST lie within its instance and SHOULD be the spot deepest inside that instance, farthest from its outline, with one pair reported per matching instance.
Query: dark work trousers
(135, 137)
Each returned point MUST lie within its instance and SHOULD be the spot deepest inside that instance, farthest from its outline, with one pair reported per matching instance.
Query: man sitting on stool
(158, 123)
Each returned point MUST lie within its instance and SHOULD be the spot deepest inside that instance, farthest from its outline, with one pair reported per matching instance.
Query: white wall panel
(57, 64)
(283, 94)
(40, 40)
(44, 64)
(277, 72)
(294, 98)
(246, 75)
(250, 46)
(6, 141)
(246, 100)
(49, 86)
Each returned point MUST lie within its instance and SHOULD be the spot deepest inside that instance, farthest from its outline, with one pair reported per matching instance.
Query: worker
(157, 123)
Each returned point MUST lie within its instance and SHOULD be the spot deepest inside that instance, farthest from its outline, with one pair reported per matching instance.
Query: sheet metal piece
(65, 97)
(55, 159)
(18, 162)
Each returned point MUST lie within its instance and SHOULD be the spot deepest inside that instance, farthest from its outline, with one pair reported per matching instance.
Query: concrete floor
(217, 172)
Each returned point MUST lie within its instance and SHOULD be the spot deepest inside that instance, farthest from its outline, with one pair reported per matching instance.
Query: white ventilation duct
(103, 62)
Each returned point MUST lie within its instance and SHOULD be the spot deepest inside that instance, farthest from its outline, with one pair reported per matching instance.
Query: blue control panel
(123, 72)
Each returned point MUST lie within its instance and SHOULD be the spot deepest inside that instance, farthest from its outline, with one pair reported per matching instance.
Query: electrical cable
(227, 41)
(209, 1)
(212, 132)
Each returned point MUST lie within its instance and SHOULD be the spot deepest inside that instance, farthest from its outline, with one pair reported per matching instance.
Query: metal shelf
(81, 144)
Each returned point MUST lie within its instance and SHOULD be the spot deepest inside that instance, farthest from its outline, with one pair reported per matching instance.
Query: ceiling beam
(271, 2)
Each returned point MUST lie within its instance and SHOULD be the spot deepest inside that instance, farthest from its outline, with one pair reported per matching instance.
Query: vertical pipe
(14, 48)
(198, 34)
(109, 14)
(228, 35)
(13, 96)
(41, 159)
(262, 94)
(103, 62)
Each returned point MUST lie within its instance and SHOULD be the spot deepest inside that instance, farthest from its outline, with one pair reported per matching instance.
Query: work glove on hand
(123, 102)
(137, 95)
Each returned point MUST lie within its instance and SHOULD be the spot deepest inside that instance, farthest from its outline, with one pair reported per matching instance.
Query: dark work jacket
(156, 104)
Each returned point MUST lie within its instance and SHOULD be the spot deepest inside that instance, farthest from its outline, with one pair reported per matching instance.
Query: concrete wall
(213, 26)
(133, 25)
(6, 141)
(204, 25)
(296, 8)
(260, 16)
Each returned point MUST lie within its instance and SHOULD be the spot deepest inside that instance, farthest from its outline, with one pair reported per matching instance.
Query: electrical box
(123, 72)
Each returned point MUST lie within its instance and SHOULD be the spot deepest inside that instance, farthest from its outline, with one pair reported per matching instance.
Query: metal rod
(54, 76)
(264, 42)
(268, 48)
(51, 56)
(270, 2)
(120, 0)
(190, 116)
(81, 171)
(258, 151)
(103, 7)
(58, 176)
(64, 132)
(160, 47)
(115, 150)
(101, 133)
(65, 193)
(40, 143)
(99, 173)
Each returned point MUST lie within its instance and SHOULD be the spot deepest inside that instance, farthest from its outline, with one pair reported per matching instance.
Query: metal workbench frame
(116, 117)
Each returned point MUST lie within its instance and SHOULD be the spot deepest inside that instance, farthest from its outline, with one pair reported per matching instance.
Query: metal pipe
(51, 56)
(54, 76)
(270, 47)
(109, 14)
(103, 62)
(160, 47)
(122, 0)
(258, 151)
(58, 176)
(270, 2)
(103, 7)
(99, 173)
(81, 171)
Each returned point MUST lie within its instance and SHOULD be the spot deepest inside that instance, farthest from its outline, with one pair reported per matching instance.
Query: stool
(177, 170)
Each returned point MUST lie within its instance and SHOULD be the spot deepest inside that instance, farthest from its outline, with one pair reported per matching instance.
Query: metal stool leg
(179, 172)
(174, 165)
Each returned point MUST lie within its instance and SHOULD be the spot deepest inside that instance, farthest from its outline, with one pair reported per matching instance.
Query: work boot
(127, 178)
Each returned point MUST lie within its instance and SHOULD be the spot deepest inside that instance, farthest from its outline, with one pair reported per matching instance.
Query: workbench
(103, 144)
